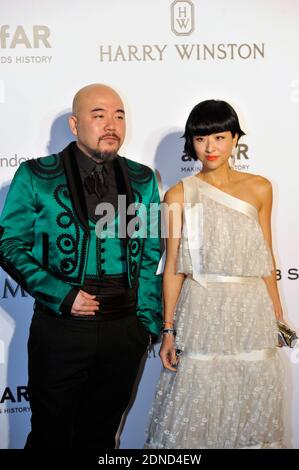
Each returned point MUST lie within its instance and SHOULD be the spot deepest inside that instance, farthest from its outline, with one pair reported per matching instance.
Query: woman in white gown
(221, 297)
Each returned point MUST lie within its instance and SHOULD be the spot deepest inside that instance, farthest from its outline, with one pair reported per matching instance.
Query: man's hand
(84, 304)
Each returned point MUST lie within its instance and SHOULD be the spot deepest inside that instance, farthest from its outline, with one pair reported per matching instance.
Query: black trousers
(81, 375)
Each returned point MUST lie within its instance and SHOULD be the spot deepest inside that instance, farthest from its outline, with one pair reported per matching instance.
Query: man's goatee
(104, 157)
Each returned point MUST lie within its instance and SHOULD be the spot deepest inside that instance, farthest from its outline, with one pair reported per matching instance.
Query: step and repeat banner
(163, 57)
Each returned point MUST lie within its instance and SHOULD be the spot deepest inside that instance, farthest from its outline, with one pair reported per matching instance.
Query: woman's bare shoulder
(253, 180)
(175, 193)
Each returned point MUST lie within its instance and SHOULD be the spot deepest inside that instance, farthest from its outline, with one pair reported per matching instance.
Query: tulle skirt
(227, 391)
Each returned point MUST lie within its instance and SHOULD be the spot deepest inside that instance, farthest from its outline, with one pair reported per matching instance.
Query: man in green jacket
(80, 232)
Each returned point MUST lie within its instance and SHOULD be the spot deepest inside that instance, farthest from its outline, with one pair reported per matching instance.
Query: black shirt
(86, 167)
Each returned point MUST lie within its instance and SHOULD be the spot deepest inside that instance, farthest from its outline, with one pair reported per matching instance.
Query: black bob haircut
(210, 117)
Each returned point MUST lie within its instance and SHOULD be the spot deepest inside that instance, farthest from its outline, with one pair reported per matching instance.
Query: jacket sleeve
(149, 304)
(17, 238)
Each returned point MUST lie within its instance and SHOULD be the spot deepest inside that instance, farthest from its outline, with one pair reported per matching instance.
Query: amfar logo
(182, 17)
(242, 152)
(35, 38)
(240, 162)
(20, 394)
(17, 395)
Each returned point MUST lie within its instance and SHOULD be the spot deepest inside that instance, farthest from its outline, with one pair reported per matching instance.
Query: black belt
(110, 308)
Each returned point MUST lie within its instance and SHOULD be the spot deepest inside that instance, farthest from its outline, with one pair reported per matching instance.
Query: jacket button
(103, 271)
(103, 250)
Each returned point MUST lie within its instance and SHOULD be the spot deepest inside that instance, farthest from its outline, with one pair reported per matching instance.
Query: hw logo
(182, 17)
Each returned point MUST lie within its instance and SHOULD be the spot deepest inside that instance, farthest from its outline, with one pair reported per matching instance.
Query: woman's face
(214, 150)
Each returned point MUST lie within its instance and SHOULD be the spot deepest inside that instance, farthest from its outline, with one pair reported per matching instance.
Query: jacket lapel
(75, 185)
(123, 179)
(124, 187)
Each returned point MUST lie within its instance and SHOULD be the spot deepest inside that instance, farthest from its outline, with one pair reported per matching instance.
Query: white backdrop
(163, 57)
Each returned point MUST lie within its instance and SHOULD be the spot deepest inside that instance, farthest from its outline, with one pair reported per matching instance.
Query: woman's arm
(172, 282)
(264, 190)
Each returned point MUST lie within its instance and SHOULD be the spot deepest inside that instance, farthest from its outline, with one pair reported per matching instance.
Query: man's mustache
(109, 134)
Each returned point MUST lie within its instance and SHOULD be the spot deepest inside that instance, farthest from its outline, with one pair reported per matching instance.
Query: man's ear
(73, 121)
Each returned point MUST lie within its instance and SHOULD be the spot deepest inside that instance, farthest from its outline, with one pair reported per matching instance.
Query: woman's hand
(167, 352)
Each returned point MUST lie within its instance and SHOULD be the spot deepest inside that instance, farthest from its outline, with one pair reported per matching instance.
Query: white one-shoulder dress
(227, 391)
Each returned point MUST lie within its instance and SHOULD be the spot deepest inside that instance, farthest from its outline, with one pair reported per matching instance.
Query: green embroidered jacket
(44, 233)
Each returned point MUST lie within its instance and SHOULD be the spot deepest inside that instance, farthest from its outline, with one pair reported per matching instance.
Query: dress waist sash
(234, 279)
(255, 355)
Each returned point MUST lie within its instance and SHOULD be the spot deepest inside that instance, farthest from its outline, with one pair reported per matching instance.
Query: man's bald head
(89, 91)
(98, 121)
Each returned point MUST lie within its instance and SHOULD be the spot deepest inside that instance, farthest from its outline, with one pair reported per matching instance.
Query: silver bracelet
(171, 331)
